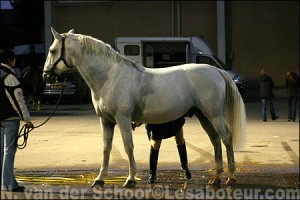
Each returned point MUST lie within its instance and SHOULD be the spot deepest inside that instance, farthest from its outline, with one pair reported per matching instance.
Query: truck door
(148, 56)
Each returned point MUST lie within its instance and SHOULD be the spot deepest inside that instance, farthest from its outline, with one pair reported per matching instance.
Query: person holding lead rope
(13, 109)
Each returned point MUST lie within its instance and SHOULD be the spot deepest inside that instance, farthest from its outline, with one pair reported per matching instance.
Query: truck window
(131, 50)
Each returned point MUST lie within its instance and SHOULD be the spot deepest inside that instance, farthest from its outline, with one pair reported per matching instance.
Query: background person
(292, 86)
(13, 109)
(266, 85)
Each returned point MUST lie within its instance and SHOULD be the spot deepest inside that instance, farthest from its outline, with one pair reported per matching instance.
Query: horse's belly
(165, 107)
(161, 115)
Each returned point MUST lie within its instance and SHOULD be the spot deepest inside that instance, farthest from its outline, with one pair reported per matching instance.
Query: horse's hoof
(129, 184)
(214, 181)
(230, 182)
(98, 183)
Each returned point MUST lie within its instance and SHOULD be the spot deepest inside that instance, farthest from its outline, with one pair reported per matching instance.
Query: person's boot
(184, 161)
(153, 165)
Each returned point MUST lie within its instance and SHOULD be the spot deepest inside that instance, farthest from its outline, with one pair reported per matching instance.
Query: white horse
(123, 92)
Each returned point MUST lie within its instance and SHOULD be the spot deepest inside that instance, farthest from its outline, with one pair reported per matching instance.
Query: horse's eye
(52, 51)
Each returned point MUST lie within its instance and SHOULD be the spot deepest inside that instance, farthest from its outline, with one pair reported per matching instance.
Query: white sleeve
(15, 95)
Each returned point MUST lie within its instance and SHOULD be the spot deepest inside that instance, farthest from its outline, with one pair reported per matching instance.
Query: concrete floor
(65, 154)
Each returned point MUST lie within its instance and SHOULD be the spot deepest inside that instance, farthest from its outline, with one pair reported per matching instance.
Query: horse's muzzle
(49, 77)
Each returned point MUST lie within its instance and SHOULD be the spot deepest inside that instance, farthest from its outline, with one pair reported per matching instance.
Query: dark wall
(105, 22)
(200, 19)
(260, 33)
(265, 34)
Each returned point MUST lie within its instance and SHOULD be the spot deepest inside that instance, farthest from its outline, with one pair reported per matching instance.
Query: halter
(61, 58)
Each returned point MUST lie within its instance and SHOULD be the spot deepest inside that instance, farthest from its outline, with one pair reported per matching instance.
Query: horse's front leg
(39, 105)
(108, 133)
(125, 129)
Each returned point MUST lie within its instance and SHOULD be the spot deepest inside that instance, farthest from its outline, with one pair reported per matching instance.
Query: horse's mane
(97, 47)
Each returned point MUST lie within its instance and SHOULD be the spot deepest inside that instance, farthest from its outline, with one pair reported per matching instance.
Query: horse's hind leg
(38, 100)
(36, 103)
(227, 141)
(226, 135)
(216, 141)
(39, 105)
(108, 133)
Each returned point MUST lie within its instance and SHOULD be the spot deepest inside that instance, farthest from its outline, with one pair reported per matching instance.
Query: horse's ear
(71, 31)
(55, 34)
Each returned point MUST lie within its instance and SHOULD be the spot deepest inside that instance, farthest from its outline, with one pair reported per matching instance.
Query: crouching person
(158, 132)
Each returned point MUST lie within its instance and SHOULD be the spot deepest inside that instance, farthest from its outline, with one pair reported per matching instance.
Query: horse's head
(57, 60)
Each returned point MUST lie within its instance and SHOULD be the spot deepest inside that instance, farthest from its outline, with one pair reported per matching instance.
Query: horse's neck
(100, 69)
(97, 75)
(91, 76)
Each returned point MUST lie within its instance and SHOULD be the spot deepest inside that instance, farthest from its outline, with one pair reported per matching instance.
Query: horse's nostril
(49, 78)
(45, 76)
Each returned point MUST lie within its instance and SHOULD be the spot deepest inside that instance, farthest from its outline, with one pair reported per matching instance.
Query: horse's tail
(235, 112)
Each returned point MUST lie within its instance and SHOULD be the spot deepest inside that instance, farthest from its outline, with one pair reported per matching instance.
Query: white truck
(158, 52)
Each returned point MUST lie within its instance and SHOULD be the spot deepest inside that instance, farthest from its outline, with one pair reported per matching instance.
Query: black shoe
(18, 189)
(187, 173)
(289, 119)
(152, 178)
(183, 160)
(274, 118)
(264, 120)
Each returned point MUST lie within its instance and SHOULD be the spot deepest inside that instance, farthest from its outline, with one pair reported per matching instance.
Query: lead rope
(24, 131)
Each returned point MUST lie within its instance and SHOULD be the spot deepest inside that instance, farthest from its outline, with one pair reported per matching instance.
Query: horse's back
(182, 87)
(199, 80)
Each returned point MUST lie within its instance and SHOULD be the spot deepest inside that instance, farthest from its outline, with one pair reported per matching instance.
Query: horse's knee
(107, 149)
(129, 149)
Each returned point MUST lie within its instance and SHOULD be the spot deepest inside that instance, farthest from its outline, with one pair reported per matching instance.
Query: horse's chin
(50, 79)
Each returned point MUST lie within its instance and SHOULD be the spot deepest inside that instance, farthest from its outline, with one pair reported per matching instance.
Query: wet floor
(75, 184)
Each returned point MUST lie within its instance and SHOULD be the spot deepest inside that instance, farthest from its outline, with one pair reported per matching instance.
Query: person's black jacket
(266, 85)
(292, 83)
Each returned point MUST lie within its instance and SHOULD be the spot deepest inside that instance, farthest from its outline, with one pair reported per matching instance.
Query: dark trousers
(264, 102)
(292, 107)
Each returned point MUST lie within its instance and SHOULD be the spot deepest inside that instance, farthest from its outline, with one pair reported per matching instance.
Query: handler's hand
(30, 125)
(135, 124)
